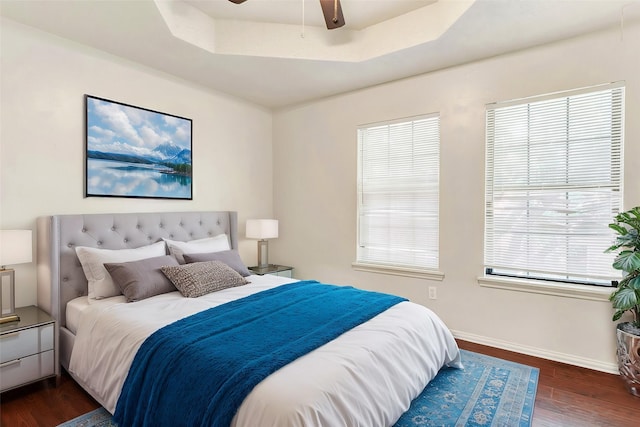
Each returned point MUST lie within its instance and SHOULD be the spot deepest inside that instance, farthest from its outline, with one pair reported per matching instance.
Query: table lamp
(15, 248)
(262, 229)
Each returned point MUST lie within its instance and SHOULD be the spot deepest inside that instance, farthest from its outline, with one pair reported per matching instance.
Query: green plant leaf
(611, 248)
(623, 241)
(634, 283)
(624, 282)
(635, 211)
(627, 261)
(618, 228)
(626, 218)
(625, 299)
(627, 239)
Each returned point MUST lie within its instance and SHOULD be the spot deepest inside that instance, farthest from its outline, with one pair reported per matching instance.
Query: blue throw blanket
(198, 370)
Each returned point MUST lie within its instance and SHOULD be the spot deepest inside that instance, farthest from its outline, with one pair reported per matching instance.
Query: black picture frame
(136, 152)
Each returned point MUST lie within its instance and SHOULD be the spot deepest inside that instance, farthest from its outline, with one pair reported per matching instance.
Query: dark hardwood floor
(567, 396)
(571, 396)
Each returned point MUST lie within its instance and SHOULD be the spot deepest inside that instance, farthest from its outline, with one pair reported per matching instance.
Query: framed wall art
(136, 152)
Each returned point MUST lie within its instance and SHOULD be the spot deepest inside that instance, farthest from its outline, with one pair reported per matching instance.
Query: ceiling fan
(331, 9)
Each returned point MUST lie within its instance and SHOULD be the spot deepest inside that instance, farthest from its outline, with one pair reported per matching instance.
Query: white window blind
(398, 182)
(553, 184)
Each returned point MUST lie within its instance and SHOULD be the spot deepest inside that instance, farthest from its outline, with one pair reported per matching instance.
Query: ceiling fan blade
(332, 10)
(237, 1)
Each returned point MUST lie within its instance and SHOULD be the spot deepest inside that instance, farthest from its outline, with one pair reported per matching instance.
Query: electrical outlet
(432, 292)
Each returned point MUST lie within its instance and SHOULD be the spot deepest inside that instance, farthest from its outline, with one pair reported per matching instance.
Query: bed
(366, 376)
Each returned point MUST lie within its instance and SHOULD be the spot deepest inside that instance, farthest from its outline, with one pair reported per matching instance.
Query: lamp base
(263, 253)
(9, 318)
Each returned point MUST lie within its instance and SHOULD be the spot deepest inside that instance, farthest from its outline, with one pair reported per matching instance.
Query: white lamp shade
(262, 228)
(15, 247)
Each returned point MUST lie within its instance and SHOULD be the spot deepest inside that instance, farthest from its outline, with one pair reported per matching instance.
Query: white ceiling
(260, 51)
(359, 14)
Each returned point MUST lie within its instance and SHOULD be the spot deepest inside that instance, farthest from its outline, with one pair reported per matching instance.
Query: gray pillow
(230, 257)
(201, 278)
(142, 279)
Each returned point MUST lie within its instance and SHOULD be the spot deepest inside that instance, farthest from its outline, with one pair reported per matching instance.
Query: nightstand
(27, 349)
(274, 269)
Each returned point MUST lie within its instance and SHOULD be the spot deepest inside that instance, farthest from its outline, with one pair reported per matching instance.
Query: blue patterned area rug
(97, 418)
(487, 392)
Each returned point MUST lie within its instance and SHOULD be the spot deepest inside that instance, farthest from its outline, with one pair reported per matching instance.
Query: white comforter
(366, 377)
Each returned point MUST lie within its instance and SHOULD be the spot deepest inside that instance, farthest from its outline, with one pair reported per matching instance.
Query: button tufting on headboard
(60, 275)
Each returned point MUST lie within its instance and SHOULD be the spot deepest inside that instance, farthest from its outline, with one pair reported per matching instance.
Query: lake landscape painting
(136, 152)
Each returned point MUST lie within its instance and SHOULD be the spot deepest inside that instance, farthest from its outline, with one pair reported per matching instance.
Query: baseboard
(597, 365)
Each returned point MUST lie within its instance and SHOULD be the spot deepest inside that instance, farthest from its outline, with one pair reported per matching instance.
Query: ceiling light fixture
(331, 9)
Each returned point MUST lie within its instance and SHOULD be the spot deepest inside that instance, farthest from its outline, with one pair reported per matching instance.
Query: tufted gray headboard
(60, 275)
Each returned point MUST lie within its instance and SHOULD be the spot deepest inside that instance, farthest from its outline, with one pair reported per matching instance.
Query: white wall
(310, 187)
(43, 81)
(315, 190)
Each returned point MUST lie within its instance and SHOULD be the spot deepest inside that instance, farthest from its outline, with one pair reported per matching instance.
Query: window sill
(592, 293)
(399, 271)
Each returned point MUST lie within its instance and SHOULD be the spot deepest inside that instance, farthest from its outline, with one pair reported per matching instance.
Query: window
(553, 184)
(398, 179)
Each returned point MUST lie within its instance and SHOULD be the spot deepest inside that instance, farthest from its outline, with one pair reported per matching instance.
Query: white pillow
(92, 260)
(208, 244)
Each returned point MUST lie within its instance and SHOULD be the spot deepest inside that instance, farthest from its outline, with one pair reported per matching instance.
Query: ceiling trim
(263, 39)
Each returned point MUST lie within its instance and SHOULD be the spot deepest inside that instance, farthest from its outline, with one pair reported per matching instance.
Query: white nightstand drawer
(26, 342)
(22, 371)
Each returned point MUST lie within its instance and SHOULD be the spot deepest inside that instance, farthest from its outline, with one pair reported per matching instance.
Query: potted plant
(626, 298)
